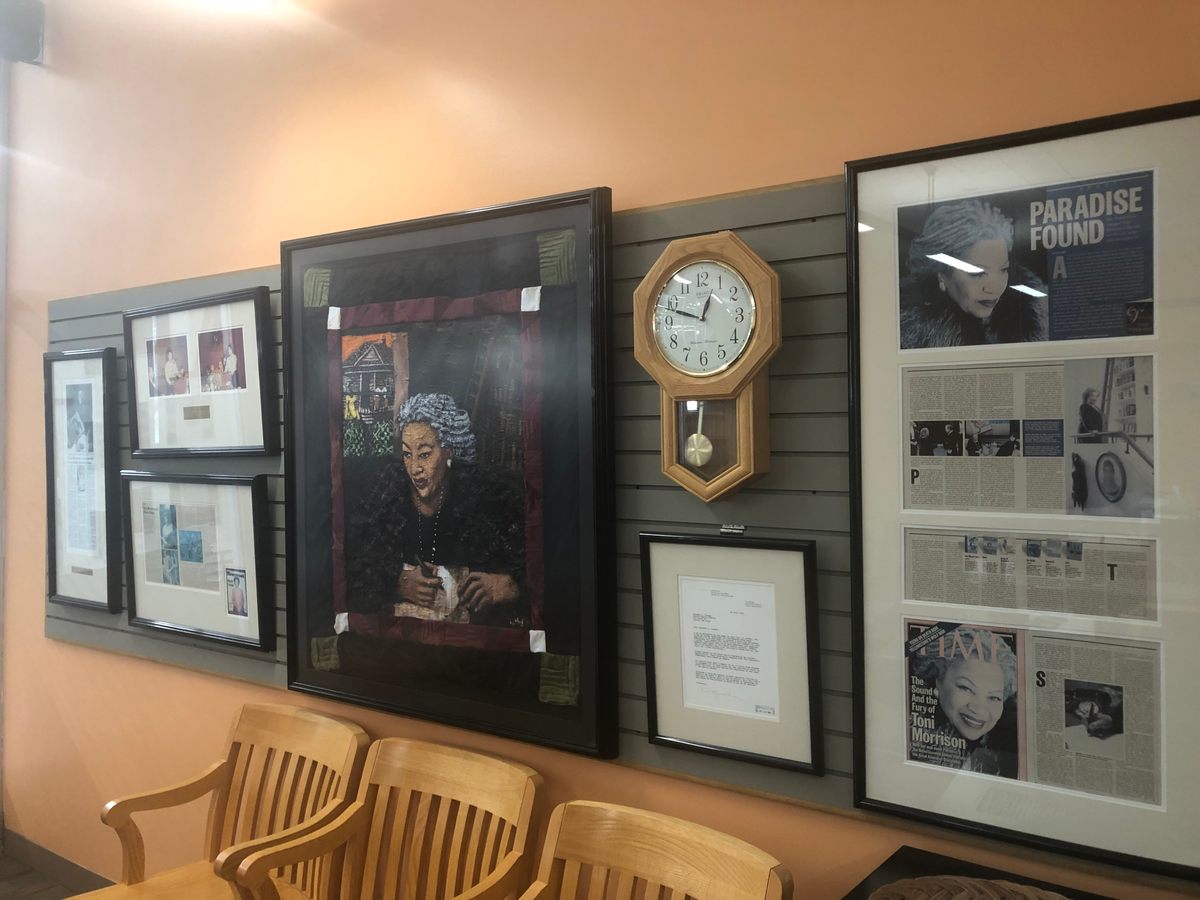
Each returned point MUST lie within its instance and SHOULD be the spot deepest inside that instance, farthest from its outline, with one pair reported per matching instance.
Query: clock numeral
(701, 279)
(704, 358)
(674, 342)
(685, 288)
(733, 292)
(672, 304)
(733, 338)
(687, 351)
(739, 315)
(720, 351)
(720, 278)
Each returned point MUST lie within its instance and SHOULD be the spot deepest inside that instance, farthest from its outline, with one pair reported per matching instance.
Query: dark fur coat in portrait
(930, 318)
(481, 526)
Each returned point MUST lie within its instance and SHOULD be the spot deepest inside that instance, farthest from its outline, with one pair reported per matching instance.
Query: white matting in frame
(732, 653)
(84, 508)
(195, 552)
(198, 381)
(1147, 162)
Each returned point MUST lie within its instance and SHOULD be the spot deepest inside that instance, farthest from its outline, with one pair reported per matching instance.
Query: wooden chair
(600, 851)
(288, 771)
(431, 822)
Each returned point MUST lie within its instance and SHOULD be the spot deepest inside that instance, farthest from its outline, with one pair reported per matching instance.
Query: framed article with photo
(448, 501)
(83, 513)
(198, 558)
(1024, 311)
(201, 377)
(732, 648)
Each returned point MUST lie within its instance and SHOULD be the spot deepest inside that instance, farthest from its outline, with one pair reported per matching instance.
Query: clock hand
(704, 311)
(681, 312)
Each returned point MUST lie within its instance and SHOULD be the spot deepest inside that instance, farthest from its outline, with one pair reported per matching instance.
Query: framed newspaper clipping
(197, 557)
(83, 513)
(732, 648)
(1024, 312)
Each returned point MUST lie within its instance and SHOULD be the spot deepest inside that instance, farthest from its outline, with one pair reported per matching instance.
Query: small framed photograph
(201, 381)
(82, 512)
(732, 648)
(197, 557)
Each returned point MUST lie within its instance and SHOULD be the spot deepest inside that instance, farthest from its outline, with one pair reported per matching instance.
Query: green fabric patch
(354, 439)
(382, 437)
(556, 255)
(316, 287)
(325, 654)
(560, 680)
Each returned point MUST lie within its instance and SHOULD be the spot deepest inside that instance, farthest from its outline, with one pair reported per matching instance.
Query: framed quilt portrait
(448, 468)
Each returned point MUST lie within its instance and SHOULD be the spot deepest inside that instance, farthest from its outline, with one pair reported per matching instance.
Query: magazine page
(965, 695)
(1075, 574)
(1094, 719)
(1069, 436)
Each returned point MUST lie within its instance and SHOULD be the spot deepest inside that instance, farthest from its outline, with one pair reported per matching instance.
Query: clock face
(703, 318)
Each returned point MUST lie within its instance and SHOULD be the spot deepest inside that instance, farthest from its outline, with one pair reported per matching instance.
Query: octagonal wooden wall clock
(706, 321)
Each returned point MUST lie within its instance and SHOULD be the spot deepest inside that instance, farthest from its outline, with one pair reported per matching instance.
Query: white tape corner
(531, 299)
(537, 642)
(335, 318)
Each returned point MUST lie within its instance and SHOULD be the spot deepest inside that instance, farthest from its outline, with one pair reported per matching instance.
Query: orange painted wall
(165, 139)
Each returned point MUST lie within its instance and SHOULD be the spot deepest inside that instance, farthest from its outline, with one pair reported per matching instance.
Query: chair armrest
(539, 890)
(504, 880)
(117, 815)
(333, 826)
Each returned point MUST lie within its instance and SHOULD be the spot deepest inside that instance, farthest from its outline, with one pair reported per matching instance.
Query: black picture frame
(205, 399)
(535, 276)
(110, 483)
(799, 710)
(246, 545)
(1155, 146)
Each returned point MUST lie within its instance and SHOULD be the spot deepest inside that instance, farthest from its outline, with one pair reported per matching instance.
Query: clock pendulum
(698, 449)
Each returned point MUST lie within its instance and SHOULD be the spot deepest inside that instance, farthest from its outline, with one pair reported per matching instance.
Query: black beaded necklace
(432, 557)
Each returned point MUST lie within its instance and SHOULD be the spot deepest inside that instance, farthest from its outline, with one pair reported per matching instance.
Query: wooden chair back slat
(283, 778)
(455, 879)
(379, 799)
(397, 827)
(439, 845)
(646, 854)
(597, 883)
(233, 802)
(307, 772)
(258, 788)
(474, 842)
(570, 879)
(409, 855)
(626, 884)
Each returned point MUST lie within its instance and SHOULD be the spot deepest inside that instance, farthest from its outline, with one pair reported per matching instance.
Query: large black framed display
(733, 654)
(198, 558)
(1024, 312)
(83, 512)
(202, 377)
(448, 469)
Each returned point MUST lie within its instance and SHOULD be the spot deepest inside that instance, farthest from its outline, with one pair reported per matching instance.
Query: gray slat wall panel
(799, 230)
(96, 321)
